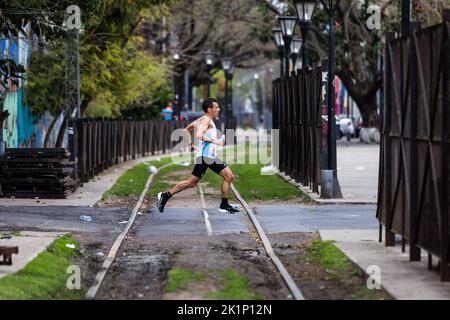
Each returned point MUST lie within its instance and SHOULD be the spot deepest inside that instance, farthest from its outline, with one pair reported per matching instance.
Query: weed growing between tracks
(45, 276)
(178, 278)
(234, 287)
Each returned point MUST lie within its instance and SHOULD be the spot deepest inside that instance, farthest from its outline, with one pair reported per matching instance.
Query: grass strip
(342, 270)
(179, 278)
(234, 287)
(45, 277)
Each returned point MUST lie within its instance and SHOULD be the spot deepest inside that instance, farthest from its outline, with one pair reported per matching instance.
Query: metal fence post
(414, 251)
(389, 235)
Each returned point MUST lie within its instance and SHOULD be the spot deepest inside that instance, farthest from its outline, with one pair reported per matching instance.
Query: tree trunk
(84, 104)
(50, 129)
(61, 133)
(368, 109)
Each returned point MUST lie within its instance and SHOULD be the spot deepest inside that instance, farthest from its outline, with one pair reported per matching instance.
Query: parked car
(344, 127)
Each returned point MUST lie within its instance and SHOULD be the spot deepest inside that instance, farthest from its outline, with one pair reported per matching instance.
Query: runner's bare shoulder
(205, 121)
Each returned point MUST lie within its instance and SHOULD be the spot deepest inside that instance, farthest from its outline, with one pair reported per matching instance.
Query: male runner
(206, 157)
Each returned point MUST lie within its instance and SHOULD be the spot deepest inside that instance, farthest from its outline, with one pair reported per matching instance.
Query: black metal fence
(414, 178)
(297, 108)
(103, 143)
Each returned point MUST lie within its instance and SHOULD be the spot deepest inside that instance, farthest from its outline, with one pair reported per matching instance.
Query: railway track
(245, 210)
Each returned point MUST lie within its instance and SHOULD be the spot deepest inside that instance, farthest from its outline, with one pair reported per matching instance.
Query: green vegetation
(132, 182)
(45, 276)
(329, 256)
(254, 186)
(341, 270)
(179, 278)
(234, 287)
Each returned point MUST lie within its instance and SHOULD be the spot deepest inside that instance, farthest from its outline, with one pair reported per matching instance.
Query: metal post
(406, 4)
(389, 237)
(304, 27)
(208, 88)
(227, 113)
(332, 156)
(281, 55)
(175, 93)
(445, 269)
(78, 76)
(287, 45)
(294, 61)
(414, 251)
(186, 89)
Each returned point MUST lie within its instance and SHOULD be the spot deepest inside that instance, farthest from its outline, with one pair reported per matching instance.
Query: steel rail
(92, 292)
(297, 294)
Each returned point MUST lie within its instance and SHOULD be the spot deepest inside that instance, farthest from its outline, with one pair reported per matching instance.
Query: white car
(346, 128)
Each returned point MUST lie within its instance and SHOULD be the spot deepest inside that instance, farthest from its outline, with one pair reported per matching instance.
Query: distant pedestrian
(167, 112)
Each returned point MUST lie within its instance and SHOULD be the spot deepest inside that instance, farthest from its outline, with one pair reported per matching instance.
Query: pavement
(357, 174)
(312, 218)
(58, 218)
(30, 245)
(189, 221)
(403, 279)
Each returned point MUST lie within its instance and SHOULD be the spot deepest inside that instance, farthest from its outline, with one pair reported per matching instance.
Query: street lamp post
(209, 60)
(330, 8)
(287, 25)
(176, 58)
(305, 10)
(278, 38)
(296, 46)
(226, 65)
(230, 90)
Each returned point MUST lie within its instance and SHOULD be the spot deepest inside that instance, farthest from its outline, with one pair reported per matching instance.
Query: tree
(110, 65)
(359, 48)
(236, 28)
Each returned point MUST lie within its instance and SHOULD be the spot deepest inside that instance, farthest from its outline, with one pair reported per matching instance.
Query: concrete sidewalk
(404, 280)
(30, 245)
(357, 174)
(90, 193)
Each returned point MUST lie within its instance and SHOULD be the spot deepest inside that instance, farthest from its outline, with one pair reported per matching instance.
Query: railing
(297, 108)
(103, 143)
(414, 178)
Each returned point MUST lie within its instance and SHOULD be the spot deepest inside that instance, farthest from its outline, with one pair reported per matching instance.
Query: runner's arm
(190, 127)
(203, 126)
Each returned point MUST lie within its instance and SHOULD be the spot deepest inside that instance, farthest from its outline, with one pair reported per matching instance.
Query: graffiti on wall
(22, 128)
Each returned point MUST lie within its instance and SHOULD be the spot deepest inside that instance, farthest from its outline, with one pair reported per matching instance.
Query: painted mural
(22, 128)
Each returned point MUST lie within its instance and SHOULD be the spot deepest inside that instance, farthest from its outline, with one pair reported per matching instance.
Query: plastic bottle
(86, 218)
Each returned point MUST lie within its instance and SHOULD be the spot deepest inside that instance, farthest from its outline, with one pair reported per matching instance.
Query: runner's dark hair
(208, 103)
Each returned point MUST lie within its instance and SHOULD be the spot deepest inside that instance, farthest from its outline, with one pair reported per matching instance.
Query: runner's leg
(228, 177)
(189, 183)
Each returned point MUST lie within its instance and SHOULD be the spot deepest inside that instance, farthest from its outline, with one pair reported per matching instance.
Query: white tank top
(207, 149)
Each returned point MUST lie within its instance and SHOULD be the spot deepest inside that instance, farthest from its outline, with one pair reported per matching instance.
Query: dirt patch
(140, 271)
(93, 250)
(316, 282)
(118, 202)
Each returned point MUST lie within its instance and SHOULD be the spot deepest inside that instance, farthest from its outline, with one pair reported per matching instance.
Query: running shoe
(162, 200)
(224, 208)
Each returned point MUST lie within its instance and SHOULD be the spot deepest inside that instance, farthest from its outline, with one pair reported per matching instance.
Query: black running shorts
(203, 163)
